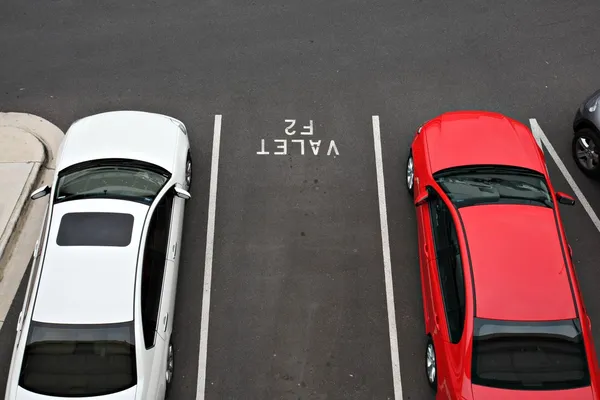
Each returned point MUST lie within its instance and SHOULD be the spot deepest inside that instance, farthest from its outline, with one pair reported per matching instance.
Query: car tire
(188, 171)
(410, 174)
(431, 364)
(586, 158)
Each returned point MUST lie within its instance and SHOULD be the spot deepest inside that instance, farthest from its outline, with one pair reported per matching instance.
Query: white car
(98, 312)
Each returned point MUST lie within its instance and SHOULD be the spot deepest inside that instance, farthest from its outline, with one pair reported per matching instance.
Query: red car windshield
(472, 185)
(529, 355)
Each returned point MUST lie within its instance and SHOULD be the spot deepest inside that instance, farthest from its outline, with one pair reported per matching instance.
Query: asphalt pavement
(298, 303)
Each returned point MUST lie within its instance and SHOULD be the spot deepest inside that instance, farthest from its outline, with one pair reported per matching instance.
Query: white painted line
(537, 132)
(387, 263)
(210, 237)
(566, 174)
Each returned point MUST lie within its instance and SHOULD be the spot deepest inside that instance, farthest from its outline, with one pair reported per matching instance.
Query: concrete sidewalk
(28, 148)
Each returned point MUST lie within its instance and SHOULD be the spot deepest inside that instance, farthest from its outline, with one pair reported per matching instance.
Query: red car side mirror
(564, 198)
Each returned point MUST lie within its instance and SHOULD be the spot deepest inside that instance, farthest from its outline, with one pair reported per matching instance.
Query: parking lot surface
(298, 305)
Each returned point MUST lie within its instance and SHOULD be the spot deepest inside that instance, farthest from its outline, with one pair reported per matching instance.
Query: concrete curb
(17, 212)
(50, 137)
(18, 239)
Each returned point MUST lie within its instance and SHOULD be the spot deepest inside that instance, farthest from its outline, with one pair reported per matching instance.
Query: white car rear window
(79, 360)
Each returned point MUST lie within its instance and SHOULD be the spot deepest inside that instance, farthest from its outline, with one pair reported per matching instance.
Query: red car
(504, 315)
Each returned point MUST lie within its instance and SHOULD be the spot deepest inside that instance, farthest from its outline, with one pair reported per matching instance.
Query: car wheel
(170, 364)
(586, 152)
(431, 364)
(410, 174)
(188, 171)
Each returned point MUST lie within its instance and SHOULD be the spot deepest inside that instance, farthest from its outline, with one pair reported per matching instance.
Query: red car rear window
(529, 355)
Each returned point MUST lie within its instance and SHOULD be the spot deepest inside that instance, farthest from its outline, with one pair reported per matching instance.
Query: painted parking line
(210, 237)
(537, 131)
(387, 263)
(541, 137)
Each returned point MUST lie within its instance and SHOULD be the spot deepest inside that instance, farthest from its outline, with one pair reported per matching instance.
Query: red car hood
(487, 393)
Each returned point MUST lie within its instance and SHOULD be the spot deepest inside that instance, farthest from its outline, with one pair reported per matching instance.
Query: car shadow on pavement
(8, 331)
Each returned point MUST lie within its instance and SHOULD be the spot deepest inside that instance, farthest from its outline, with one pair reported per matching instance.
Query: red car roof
(480, 137)
(518, 264)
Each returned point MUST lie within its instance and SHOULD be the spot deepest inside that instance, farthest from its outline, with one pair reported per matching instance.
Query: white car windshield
(79, 360)
(115, 180)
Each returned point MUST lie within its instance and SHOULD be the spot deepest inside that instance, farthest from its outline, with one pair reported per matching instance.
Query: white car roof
(134, 135)
(83, 284)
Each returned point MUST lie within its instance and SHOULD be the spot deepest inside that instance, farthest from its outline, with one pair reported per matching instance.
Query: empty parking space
(298, 308)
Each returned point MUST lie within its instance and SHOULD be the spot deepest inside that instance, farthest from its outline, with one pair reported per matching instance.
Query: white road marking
(287, 147)
(210, 237)
(387, 264)
(537, 132)
(561, 166)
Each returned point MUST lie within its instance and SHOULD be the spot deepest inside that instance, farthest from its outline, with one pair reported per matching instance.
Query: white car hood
(128, 394)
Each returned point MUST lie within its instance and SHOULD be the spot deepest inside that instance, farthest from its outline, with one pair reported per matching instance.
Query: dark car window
(467, 186)
(529, 355)
(104, 229)
(153, 267)
(450, 266)
(79, 360)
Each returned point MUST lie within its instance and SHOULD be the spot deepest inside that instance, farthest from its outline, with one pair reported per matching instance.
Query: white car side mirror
(184, 194)
(41, 192)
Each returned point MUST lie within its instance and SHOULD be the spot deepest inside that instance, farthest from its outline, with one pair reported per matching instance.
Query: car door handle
(173, 251)
(165, 320)
(426, 250)
(570, 251)
(589, 321)
(20, 322)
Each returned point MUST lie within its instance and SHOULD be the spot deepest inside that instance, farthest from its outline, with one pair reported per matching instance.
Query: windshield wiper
(78, 196)
(107, 195)
(538, 199)
(517, 185)
(466, 181)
